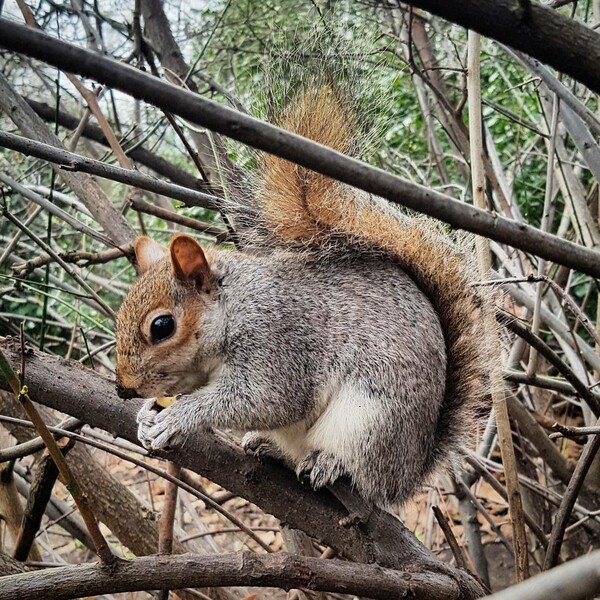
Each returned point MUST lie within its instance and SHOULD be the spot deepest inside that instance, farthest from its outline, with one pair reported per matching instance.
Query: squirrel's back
(301, 208)
(349, 339)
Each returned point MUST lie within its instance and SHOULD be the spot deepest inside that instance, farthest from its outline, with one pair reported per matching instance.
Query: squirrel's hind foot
(257, 445)
(320, 469)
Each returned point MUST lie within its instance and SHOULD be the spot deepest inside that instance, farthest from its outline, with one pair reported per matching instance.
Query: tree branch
(537, 30)
(578, 579)
(190, 570)
(139, 154)
(85, 188)
(70, 161)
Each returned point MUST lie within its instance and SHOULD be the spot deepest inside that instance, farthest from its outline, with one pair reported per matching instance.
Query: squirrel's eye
(162, 327)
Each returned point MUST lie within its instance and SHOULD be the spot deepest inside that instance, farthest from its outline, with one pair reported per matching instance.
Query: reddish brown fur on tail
(294, 199)
(301, 205)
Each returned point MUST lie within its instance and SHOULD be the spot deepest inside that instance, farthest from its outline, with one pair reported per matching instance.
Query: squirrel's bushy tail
(300, 206)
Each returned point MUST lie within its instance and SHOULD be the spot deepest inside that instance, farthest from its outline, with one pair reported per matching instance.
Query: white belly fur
(336, 425)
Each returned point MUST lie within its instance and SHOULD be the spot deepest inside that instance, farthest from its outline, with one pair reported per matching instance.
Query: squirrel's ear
(147, 252)
(188, 259)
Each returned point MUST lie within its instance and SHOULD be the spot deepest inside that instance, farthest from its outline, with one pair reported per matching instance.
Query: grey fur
(337, 359)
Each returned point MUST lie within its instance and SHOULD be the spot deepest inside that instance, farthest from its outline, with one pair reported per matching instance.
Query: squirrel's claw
(257, 445)
(319, 469)
(155, 430)
(159, 429)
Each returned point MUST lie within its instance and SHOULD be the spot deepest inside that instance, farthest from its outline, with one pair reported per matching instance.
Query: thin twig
(499, 489)
(90, 97)
(35, 444)
(484, 259)
(170, 215)
(533, 340)
(546, 215)
(75, 162)
(566, 506)
(102, 304)
(573, 432)
(81, 258)
(457, 552)
(167, 518)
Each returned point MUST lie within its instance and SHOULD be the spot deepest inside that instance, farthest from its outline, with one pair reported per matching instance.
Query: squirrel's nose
(126, 393)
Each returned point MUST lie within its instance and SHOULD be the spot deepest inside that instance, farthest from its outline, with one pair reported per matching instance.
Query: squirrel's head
(159, 324)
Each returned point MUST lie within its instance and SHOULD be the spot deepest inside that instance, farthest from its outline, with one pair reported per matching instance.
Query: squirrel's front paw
(145, 420)
(159, 428)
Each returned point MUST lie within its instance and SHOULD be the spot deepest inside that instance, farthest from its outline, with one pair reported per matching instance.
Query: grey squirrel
(350, 343)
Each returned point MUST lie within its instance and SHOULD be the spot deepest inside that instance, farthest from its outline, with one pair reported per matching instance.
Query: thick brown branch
(9, 565)
(190, 570)
(539, 31)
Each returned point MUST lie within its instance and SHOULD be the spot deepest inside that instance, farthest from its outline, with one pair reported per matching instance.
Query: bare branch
(569, 499)
(274, 570)
(108, 217)
(537, 30)
(137, 153)
(576, 580)
(74, 162)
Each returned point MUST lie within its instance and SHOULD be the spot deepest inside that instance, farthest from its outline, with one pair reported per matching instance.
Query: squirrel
(349, 343)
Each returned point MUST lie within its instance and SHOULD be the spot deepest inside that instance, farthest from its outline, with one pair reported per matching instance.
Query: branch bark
(190, 570)
(9, 566)
(578, 579)
(537, 30)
